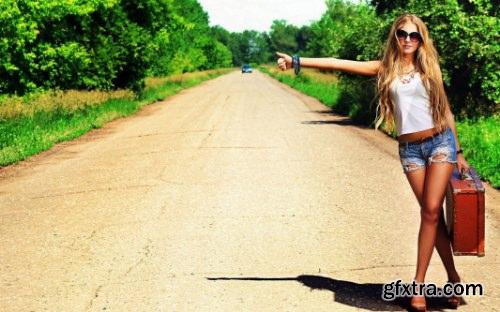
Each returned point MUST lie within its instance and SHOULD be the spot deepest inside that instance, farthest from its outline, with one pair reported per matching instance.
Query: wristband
(296, 64)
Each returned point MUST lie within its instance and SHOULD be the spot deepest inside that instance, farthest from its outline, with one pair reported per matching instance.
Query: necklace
(407, 77)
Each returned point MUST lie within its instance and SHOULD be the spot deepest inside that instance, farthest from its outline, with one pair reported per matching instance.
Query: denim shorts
(440, 148)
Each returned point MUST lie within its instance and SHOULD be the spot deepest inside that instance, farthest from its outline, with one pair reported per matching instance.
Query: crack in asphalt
(96, 294)
(146, 253)
(206, 138)
(242, 147)
(167, 133)
(95, 190)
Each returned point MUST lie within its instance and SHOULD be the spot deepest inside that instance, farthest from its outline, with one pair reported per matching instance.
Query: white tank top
(412, 107)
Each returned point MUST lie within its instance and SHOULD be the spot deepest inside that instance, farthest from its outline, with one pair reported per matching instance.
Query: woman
(412, 97)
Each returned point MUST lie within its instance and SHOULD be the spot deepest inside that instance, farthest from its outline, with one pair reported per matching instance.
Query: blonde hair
(426, 63)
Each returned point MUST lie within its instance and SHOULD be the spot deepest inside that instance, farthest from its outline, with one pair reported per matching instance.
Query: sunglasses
(414, 36)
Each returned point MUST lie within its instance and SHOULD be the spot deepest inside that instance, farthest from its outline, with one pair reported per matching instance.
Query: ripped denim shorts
(440, 148)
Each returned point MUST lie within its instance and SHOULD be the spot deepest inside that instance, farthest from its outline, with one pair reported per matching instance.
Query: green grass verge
(479, 138)
(26, 135)
(480, 141)
(326, 93)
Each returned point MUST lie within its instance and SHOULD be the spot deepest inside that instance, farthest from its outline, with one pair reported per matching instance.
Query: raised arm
(368, 68)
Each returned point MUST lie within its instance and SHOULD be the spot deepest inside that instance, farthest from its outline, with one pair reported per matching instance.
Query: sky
(239, 15)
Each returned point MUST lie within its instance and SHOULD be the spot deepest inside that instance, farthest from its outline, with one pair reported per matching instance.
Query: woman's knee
(431, 213)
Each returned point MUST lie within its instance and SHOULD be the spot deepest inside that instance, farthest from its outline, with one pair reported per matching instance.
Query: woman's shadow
(364, 296)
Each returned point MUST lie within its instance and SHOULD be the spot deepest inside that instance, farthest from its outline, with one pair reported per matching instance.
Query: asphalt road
(239, 194)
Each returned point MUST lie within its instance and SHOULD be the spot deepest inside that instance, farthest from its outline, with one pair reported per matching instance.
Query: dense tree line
(251, 46)
(102, 44)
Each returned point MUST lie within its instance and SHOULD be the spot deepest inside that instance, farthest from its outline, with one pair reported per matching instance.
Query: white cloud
(239, 15)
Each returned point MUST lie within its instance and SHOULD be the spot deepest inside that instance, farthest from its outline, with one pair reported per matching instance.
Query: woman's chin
(407, 52)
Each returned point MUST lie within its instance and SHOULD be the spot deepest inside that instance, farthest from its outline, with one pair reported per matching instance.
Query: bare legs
(429, 186)
(443, 248)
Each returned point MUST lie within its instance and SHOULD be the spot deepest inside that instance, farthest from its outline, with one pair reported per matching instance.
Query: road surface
(239, 194)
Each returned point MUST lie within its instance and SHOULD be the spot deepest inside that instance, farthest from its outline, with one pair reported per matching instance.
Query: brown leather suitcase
(465, 213)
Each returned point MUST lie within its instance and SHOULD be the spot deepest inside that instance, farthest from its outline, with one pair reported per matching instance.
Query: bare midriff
(417, 136)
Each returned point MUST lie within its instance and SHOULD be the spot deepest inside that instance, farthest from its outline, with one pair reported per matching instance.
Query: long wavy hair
(426, 63)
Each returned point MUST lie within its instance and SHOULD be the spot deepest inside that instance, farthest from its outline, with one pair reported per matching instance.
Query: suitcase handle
(465, 175)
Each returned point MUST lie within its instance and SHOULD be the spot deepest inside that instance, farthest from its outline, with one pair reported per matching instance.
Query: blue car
(246, 68)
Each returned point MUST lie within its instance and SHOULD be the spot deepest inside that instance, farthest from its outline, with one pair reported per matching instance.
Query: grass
(310, 81)
(34, 123)
(479, 138)
(480, 141)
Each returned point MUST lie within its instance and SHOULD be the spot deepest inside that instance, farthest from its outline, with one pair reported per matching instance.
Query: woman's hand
(284, 61)
(462, 164)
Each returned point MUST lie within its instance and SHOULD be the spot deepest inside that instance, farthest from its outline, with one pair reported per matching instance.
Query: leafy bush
(102, 44)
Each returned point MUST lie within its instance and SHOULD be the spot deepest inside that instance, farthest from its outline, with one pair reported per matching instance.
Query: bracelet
(460, 151)
(296, 64)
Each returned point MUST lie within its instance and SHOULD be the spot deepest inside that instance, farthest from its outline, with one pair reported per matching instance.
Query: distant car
(246, 69)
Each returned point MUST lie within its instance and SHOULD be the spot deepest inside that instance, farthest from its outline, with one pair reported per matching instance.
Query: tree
(283, 37)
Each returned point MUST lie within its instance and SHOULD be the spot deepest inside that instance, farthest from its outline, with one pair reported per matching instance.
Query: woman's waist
(419, 136)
